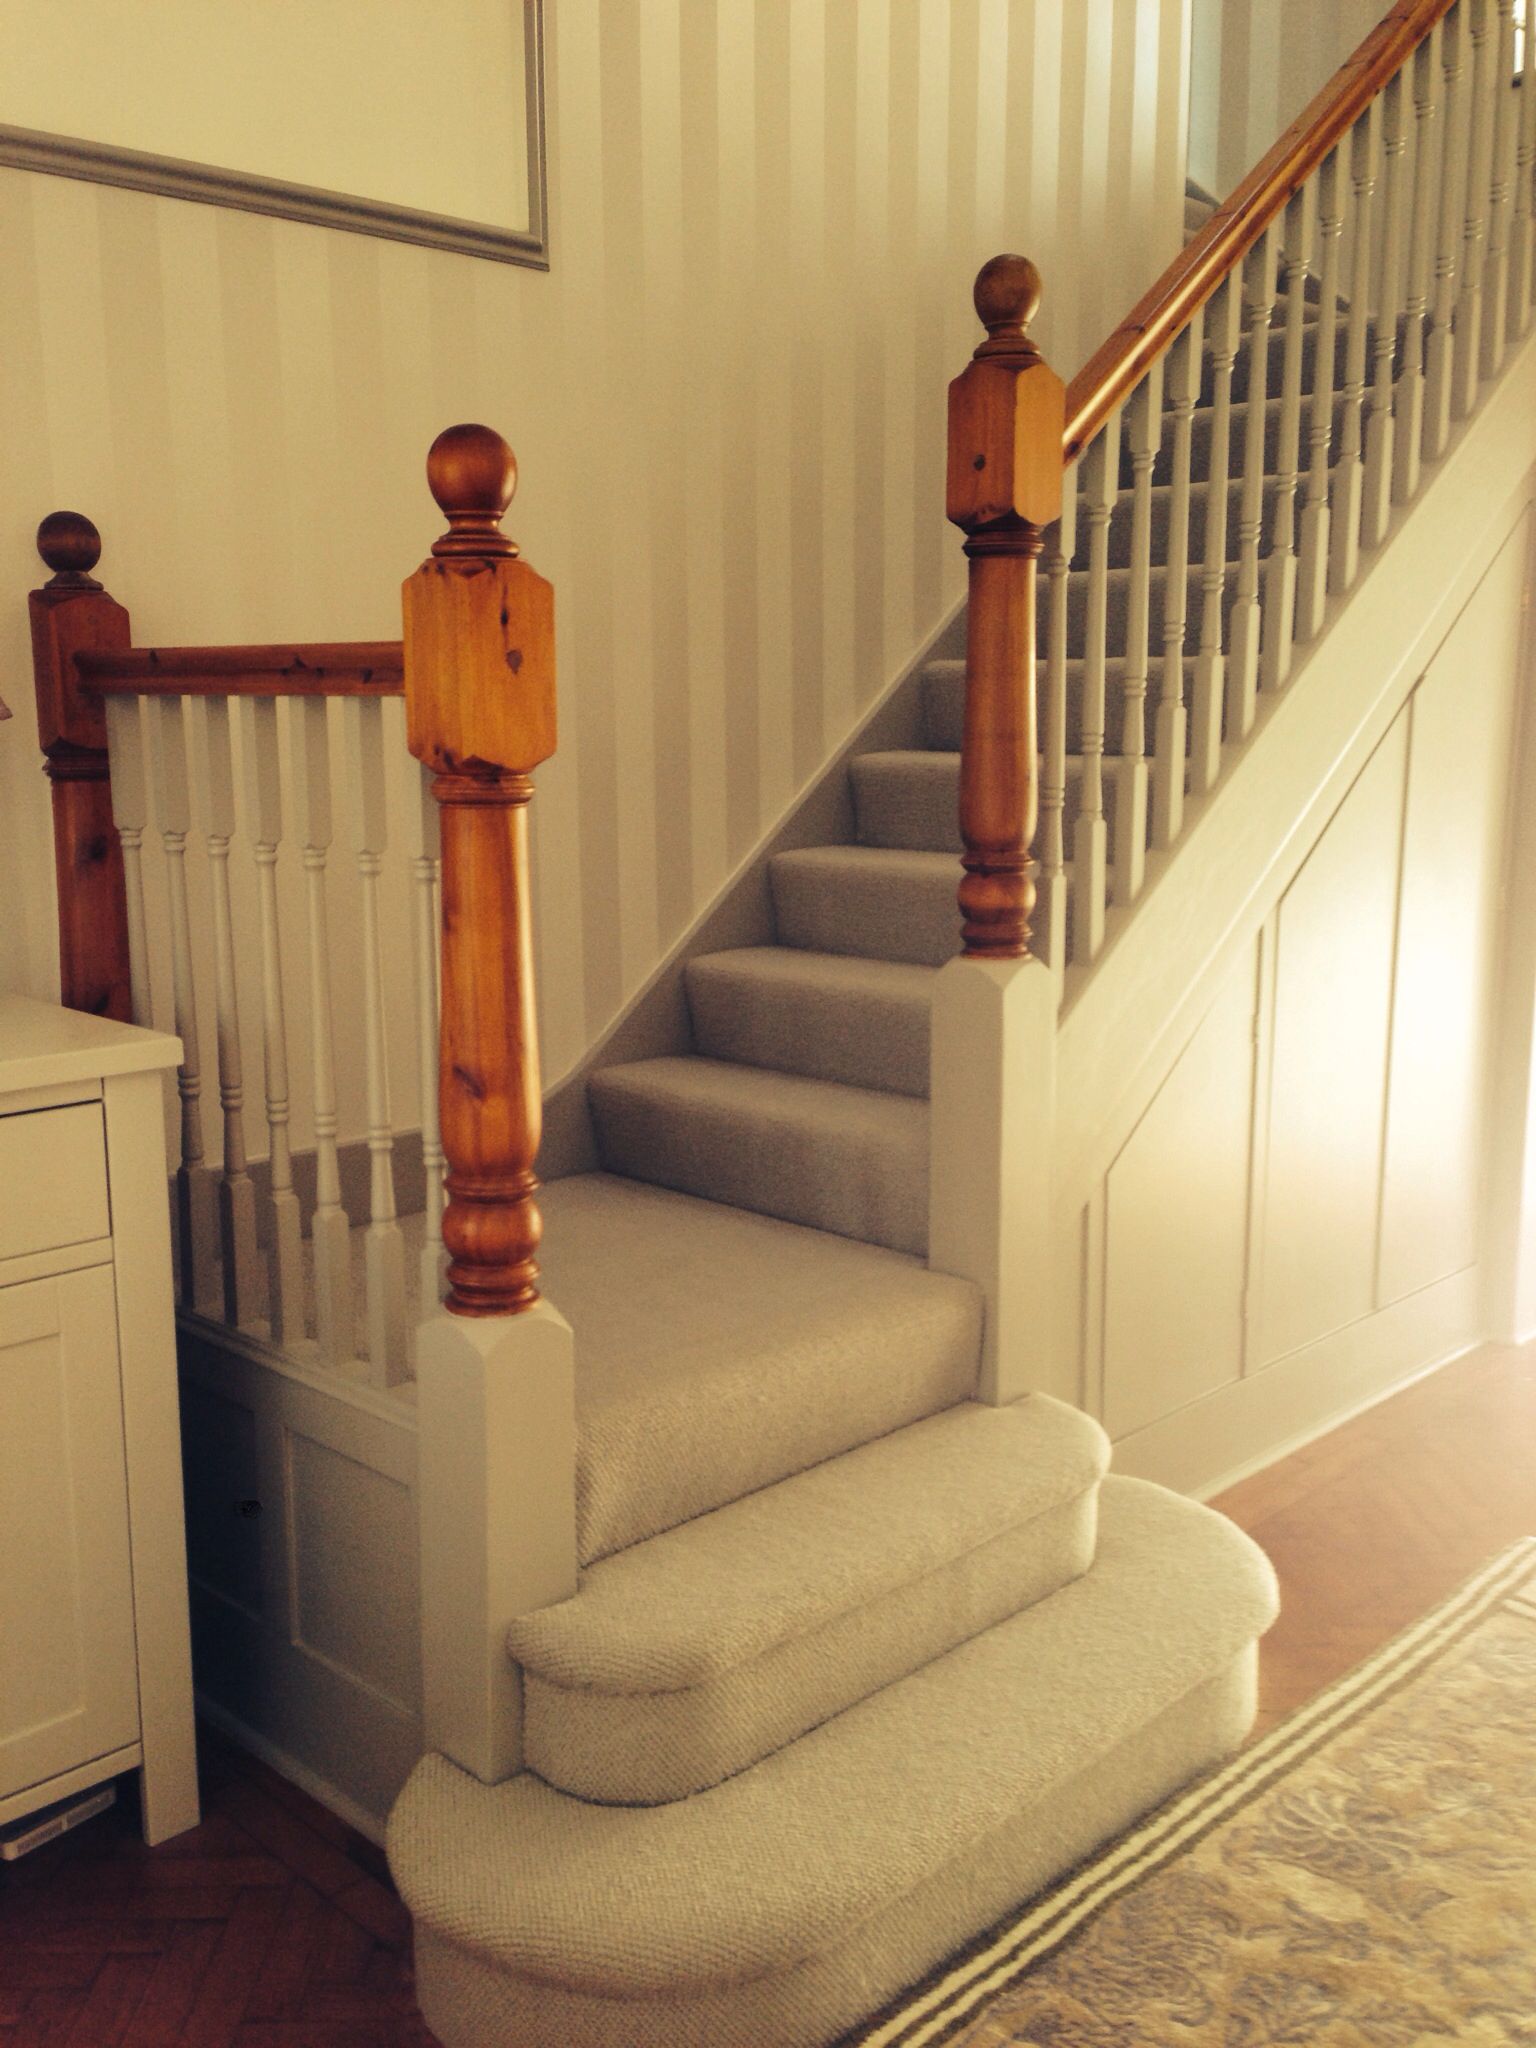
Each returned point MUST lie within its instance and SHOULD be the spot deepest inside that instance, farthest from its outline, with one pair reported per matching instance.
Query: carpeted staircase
(857, 1663)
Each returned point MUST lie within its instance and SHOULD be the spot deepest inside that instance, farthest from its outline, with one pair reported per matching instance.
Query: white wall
(727, 397)
(1255, 65)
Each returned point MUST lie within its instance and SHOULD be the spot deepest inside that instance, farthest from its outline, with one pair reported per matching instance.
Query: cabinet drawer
(53, 1179)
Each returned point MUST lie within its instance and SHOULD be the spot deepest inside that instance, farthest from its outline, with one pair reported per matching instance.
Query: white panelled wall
(727, 398)
(1298, 1216)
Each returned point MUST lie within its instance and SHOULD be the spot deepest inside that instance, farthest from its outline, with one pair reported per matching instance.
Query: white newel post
(991, 1123)
(495, 1365)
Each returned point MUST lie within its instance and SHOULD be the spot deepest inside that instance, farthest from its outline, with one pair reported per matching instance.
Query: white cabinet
(95, 1672)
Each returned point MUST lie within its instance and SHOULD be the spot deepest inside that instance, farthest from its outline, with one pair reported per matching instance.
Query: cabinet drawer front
(53, 1179)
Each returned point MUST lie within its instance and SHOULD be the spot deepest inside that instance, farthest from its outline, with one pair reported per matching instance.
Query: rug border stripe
(930, 2016)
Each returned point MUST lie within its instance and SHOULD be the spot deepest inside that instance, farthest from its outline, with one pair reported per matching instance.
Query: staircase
(858, 1660)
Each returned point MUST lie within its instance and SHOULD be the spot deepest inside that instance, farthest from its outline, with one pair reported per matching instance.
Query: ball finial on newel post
(1007, 298)
(472, 473)
(71, 547)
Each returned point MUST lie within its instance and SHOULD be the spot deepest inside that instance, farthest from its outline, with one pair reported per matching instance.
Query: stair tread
(786, 1860)
(728, 1587)
(705, 1336)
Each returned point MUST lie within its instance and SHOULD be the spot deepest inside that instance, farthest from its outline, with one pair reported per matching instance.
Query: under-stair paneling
(1451, 901)
(1176, 1224)
(1332, 1013)
(727, 396)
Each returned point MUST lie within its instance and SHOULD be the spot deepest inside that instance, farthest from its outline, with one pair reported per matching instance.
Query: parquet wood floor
(274, 1926)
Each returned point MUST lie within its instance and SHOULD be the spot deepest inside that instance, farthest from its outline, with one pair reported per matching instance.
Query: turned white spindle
(1317, 511)
(1376, 510)
(1455, 129)
(1144, 427)
(285, 1254)
(1408, 441)
(1501, 193)
(1169, 747)
(197, 1228)
(388, 1338)
(1224, 330)
(237, 1191)
(1479, 19)
(1246, 623)
(1051, 901)
(330, 1227)
(1363, 142)
(1280, 565)
(1522, 297)
(1090, 834)
(130, 814)
(424, 838)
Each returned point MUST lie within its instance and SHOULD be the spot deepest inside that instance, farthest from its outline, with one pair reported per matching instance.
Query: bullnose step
(689, 1658)
(849, 1160)
(829, 1016)
(794, 1899)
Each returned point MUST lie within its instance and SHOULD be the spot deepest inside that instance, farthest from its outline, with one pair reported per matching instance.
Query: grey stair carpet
(827, 1015)
(787, 1902)
(719, 1351)
(691, 1657)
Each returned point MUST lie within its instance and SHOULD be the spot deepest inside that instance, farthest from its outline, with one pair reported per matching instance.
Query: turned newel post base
(999, 797)
(491, 1226)
(1007, 411)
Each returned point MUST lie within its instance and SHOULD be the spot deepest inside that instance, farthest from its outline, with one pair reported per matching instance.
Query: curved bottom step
(783, 1906)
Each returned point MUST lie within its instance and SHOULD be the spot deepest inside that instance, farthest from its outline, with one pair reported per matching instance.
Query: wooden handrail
(480, 713)
(1114, 370)
(326, 668)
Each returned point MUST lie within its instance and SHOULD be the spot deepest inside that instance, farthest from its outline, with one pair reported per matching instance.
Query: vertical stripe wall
(726, 396)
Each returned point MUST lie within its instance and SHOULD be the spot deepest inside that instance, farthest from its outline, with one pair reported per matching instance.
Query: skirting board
(1250, 1423)
(325, 1794)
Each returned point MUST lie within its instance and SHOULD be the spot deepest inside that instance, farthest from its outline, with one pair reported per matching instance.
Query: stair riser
(872, 916)
(865, 1042)
(1275, 359)
(873, 1186)
(1123, 519)
(641, 1750)
(891, 816)
(1201, 430)
(944, 702)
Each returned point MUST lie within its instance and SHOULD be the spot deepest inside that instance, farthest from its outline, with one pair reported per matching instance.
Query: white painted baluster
(1051, 917)
(1170, 743)
(1478, 16)
(285, 1255)
(1501, 193)
(1523, 294)
(1224, 331)
(130, 814)
(1428, 79)
(330, 1228)
(1144, 419)
(1377, 509)
(1090, 834)
(1455, 127)
(1349, 472)
(197, 1230)
(1280, 565)
(388, 1338)
(1316, 513)
(237, 1192)
(1247, 612)
(426, 877)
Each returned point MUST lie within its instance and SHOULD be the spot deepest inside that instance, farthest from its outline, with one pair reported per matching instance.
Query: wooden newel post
(480, 710)
(1007, 413)
(71, 615)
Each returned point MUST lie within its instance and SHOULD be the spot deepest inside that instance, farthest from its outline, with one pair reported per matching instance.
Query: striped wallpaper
(727, 399)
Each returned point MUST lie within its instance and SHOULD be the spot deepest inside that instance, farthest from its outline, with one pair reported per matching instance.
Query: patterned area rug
(1364, 1877)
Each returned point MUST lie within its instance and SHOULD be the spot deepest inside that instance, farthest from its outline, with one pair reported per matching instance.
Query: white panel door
(68, 1685)
(1453, 857)
(1328, 1081)
(1176, 1226)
